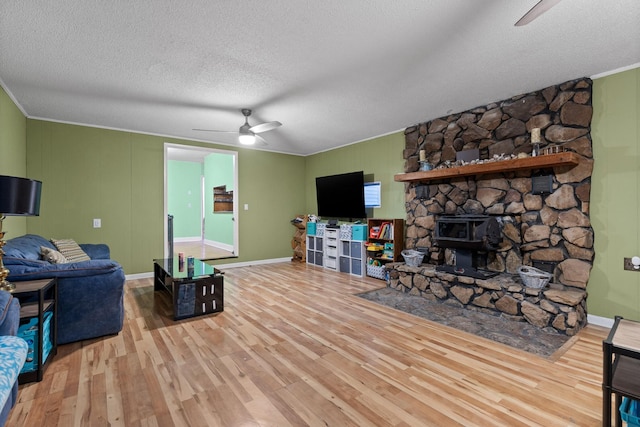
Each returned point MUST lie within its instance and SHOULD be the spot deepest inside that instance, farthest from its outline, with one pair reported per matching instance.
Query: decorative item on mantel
(535, 142)
(424, 163)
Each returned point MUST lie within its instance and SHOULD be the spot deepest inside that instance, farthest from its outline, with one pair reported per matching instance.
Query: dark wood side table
(195, 291)
(37, 298)
(621, 367)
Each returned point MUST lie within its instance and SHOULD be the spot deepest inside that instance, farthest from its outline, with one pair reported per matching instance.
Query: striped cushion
(70, 249)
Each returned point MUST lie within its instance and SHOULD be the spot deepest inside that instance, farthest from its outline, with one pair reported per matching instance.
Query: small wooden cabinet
(222, 199)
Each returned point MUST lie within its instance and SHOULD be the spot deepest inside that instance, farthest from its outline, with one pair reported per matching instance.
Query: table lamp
(18, 197)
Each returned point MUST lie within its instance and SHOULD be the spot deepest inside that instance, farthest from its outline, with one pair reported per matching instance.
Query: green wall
(13, 160)
(615, 195)
(184, 201)
(218, 171)
(119, 177)
(379, 158)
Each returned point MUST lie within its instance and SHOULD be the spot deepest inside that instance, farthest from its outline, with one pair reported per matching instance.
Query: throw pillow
(70, 249)
(53, 256)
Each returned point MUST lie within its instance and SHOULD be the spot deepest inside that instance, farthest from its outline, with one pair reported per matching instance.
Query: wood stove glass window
(453, 230)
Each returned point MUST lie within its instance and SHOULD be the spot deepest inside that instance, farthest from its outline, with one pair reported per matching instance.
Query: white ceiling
(333, 72)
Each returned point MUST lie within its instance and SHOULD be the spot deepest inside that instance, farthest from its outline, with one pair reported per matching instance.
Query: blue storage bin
(29, 332)
(311, 229)
(630, 412)
(359, 232)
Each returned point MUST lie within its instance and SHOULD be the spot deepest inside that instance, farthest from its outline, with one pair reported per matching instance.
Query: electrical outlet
(97, 223)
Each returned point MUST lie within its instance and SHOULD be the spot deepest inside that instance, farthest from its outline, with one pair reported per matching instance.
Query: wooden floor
(295, 347)
(199, 250)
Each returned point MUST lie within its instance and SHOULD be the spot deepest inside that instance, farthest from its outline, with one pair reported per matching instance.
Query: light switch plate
(97, 223)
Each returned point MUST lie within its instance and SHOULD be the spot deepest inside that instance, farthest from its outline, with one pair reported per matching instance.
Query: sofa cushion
(26, 247)
(53, 256)
(70, 249)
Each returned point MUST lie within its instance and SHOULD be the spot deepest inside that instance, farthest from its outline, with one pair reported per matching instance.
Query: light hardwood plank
(296, 347)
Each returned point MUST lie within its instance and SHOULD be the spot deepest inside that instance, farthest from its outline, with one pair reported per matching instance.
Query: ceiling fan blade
(260, 141)
(213, 130)
(264, 127)
(541, 7)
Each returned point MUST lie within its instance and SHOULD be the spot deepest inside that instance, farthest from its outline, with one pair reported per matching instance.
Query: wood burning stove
(468, 235)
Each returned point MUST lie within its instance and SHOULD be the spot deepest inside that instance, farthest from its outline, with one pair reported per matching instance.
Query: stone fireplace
(542, 207)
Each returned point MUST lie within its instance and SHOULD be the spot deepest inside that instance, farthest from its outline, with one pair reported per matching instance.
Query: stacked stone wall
(552, 228)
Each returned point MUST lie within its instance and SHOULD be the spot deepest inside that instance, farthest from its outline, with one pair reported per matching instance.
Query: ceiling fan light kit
(246, 132)
(247, 138)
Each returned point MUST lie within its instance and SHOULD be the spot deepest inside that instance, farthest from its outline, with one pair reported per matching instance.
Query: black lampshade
(19, 196)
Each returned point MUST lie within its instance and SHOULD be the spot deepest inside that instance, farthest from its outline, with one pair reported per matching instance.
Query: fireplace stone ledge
(555, 308)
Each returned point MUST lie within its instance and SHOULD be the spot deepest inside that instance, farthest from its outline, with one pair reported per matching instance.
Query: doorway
(191, 225)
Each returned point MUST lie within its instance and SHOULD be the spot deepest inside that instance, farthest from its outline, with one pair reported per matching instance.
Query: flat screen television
(341, 196)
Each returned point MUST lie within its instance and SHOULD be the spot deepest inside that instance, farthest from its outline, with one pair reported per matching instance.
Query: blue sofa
(13, 353)
(90, 293)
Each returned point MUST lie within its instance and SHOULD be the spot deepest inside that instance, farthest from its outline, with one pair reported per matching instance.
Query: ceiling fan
(541, 7)
(247, 134)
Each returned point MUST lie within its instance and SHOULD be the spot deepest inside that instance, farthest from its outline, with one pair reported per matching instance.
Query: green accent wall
(379, 158)
(13, 160)
(184, 200)
(615, 195)
(218, 171)
(119, 177)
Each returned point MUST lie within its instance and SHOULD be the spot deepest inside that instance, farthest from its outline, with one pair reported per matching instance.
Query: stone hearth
(557, 307)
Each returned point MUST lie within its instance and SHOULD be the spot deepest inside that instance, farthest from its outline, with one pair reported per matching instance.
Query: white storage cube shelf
(333, 248)
(314, 250)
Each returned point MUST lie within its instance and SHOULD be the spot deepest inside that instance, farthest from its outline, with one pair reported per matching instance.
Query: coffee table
(195, 291)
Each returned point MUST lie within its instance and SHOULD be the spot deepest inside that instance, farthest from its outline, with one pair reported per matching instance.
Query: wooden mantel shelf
(545, 161)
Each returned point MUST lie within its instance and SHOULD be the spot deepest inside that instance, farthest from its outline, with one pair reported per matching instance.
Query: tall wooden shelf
(527, 163)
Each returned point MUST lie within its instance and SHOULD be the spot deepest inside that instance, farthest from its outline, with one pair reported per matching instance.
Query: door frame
(193, 153)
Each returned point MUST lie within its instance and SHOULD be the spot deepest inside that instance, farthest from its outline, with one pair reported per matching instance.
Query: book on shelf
(386, 231)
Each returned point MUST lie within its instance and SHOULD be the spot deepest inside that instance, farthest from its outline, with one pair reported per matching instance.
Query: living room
(117, 175)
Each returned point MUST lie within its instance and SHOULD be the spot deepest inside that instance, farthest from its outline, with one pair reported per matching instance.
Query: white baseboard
(228, 265)
(219, 245)
(599, 321)
(187, 239)
(138, 276)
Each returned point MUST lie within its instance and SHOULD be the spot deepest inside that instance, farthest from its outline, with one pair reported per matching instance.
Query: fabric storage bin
(359, 232)
(311, 229)
(345, 232)
(356, 249)
(344, 264)
(630, 412)
(29, 332)
(377, 271)
(320, 227)
(344, 248)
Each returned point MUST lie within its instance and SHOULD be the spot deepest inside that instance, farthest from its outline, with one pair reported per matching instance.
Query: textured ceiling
(333, 72)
